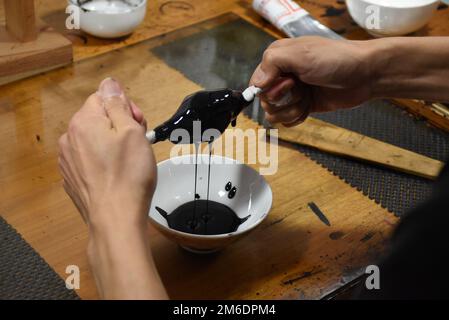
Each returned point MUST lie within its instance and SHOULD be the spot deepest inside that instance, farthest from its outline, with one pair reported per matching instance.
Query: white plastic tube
(250, 93)
(293, 20)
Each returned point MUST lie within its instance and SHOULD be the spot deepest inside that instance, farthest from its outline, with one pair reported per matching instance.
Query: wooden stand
(27, 46)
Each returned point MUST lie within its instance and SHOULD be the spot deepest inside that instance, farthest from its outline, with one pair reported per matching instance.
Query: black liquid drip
(212, 218)
(208, 180)
(215, 109)
(193, 220)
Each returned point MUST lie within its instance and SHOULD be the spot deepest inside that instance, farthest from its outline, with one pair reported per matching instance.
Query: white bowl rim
(407, 6)
(75, 3)
(223, 235)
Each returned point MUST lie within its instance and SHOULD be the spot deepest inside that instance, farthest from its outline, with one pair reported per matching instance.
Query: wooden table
(168, 15)
(291, 255)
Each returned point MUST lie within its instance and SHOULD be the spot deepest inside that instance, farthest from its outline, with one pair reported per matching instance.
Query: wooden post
(27, 45)
(21, 19)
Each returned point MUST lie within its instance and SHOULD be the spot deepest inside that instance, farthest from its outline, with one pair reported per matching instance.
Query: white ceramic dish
(397, 17)
(176, 187)
(110, 18)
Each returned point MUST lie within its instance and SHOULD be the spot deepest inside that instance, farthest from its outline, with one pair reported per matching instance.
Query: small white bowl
(397, 17)
(110, 18)
(176, 186)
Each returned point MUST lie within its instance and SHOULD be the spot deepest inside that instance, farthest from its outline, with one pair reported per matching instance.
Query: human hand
(110, 174)
(108, 166)
(312, 74)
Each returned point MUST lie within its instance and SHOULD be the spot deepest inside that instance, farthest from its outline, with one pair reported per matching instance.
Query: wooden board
(28, 46)
(333, 139)
(435, 113)
(20, 60)
(291, 255)
(21, 19)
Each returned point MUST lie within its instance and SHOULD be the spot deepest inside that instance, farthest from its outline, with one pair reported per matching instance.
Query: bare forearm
(122, 263)
(416, 68)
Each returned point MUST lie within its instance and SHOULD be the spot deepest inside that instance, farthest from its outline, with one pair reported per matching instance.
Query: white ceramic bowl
(110, 18)
(176, 186)
(397, 17)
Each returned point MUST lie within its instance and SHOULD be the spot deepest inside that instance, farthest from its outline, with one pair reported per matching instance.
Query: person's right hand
(312, 74)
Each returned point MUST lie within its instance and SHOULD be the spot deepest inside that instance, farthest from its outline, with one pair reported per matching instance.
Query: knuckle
(279, 43)
(269, 56)
(74, 125)
(285, 41)
(130, 130)
(295, 110)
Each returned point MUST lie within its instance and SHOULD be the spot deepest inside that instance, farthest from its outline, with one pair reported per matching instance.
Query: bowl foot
(200, 251)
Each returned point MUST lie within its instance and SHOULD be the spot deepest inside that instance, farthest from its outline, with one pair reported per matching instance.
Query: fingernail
(285, 99)
(259, 76)
(110, 88)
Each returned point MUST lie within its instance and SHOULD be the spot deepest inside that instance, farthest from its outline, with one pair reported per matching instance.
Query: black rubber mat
(24, 274)
(396, 191)
(225, 56)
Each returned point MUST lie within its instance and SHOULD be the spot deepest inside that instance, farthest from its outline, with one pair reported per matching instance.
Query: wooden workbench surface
(291, 255)
(167, 15)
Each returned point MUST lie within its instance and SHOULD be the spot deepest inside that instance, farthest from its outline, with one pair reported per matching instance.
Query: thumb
(264, 76)
(115, 103)
(275, 63)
